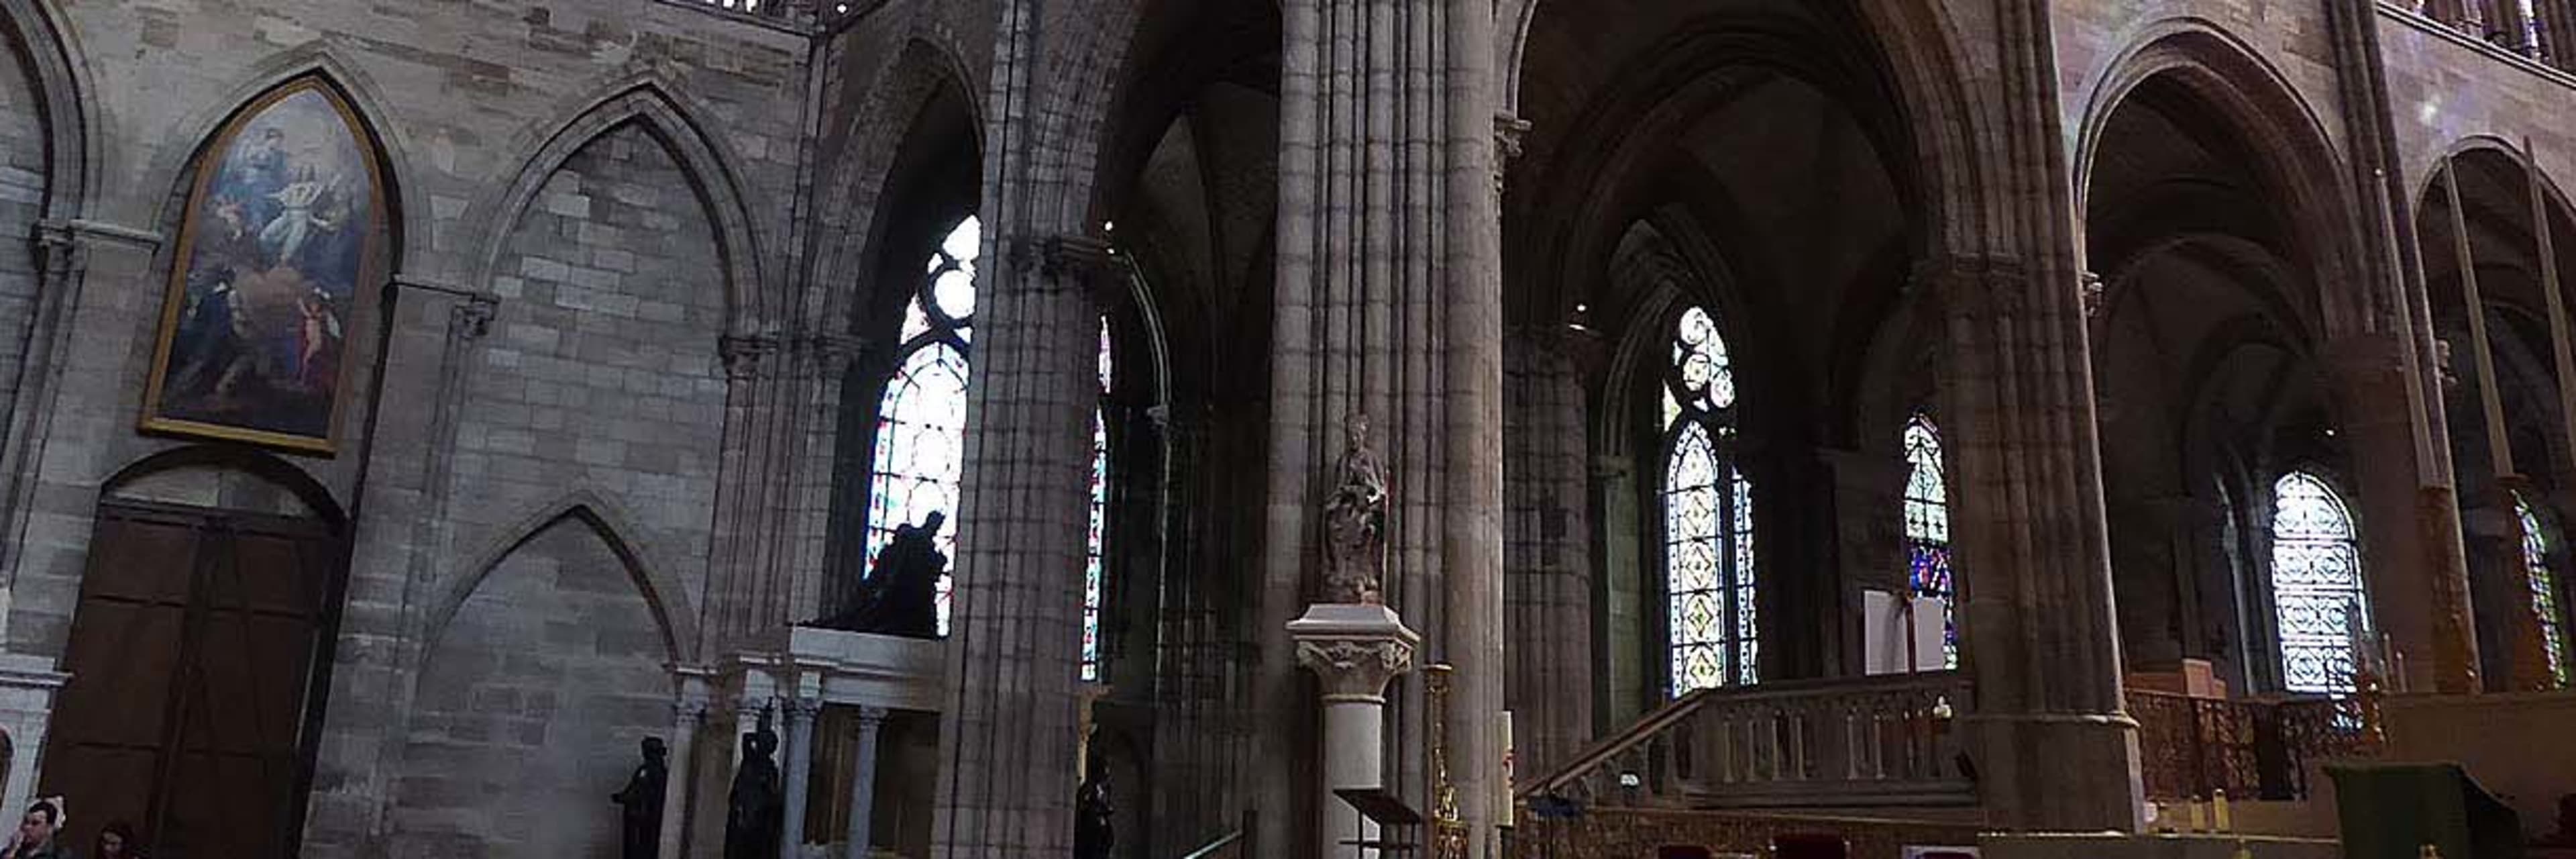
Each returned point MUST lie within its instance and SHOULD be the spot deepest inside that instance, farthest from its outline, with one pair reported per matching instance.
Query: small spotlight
(2330, 432)
(1583, 308)
(1109, 226)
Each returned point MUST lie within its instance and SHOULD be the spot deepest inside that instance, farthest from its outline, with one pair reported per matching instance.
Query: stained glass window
(2544, 590)
(1094, 567)
(921, 422)
(1927, 529)
(2316, 585)
(1709, 571)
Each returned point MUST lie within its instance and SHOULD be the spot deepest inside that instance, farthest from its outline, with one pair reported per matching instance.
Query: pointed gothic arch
(2282, 132)
(603, 518)
(61, 82)
(701, 157)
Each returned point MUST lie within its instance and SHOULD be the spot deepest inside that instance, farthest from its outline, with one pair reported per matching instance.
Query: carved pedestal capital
(1353, 649)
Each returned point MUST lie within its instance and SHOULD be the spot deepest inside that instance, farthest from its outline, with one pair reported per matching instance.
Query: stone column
(1389, 305)
(797, 742)
(1010, 726)
(2018, 393)
(863, 783)
(688, 718)
(2416, 490)
(1353, 650)
(1548, 552)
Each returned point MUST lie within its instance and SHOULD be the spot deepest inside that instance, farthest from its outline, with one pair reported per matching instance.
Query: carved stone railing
(2252, 749)
(1870, 742)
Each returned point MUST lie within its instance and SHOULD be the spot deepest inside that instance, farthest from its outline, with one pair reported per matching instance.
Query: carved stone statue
(1093, 835)
(1355, 523)
(755, 811)
(900, 596)
(640, 803)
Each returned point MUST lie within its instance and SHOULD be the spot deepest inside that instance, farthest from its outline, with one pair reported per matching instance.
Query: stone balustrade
(1869, 742)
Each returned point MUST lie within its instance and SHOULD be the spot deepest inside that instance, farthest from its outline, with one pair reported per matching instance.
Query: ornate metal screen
(1709, 581)
(1927, 528)
(2316, 585)
(921, 422)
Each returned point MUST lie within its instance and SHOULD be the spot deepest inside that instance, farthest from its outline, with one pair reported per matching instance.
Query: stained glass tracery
(1094, 570)
(1711, 609)
(2316, 585)
(1927, 529)
(2544, 591)
(921, 420)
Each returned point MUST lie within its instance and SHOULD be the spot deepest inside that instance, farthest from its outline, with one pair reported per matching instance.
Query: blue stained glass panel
(2544, 591)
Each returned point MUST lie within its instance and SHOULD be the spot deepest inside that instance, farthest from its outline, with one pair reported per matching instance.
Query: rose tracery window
(1709, 572)
(2316, 585)
(921, 421)
(2544, 591)
(1927, 529)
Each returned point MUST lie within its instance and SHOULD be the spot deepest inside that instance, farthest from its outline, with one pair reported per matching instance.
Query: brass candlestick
(1448, 829)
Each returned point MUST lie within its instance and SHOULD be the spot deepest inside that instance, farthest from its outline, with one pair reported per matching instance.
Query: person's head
(115, 842)
(38, 826)
(931, 524)
(654, 750)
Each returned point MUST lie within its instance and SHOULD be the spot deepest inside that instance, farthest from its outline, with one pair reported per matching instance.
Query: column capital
(872, 716)
(799, 710)
(1354, 649)
(1087, 261)
(747, 356)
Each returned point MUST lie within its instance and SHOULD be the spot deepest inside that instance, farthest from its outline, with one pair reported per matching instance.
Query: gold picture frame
(283, 218)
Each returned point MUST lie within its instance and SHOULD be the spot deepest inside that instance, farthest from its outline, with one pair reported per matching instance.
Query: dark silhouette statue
(640, 803)
(755, 811)
(1092, 814)
(900, 596)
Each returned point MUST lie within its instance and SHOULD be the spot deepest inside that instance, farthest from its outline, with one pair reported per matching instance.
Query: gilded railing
(2252, 749)
(1878, 741)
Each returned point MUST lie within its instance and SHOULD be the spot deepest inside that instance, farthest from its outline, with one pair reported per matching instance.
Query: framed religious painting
(278, 234)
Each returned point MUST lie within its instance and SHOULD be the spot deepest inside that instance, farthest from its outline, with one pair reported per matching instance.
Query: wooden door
(197, 657)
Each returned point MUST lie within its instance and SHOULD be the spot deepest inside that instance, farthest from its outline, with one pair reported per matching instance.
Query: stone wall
(532, 705)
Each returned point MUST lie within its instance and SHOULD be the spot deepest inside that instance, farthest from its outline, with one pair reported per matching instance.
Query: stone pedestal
(1354, 650)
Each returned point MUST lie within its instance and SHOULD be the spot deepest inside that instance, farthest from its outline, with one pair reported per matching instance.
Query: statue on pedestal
(755, 811)
(1355, 523)
(900, 596)
(640, 803)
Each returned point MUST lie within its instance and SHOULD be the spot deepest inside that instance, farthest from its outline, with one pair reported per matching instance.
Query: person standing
(36, 834)
(116, 841)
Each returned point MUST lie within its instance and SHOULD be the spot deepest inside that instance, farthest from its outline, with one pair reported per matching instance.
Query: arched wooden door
(198, 658)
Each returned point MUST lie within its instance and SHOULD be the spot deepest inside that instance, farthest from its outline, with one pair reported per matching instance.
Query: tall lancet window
(1927, 529)
(2544, 590)
(1709, 578)
(1094, 567)
(2316, 585)
(921, 423)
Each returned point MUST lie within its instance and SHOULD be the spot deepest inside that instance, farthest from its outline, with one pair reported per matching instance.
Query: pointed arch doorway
(199, 655)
